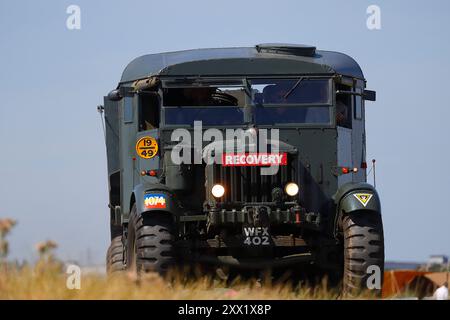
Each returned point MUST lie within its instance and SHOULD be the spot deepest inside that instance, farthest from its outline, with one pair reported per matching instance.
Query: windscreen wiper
(293, 88)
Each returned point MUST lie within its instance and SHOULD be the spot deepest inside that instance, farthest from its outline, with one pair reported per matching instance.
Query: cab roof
(263, 59)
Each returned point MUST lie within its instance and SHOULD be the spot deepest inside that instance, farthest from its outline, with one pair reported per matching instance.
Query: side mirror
(370, 95)
(114, 95)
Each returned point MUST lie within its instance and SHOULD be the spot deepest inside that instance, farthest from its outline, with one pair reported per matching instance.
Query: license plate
(256, 236)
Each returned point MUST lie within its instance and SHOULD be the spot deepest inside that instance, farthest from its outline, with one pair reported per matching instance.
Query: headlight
(218, 190)
(291, 189)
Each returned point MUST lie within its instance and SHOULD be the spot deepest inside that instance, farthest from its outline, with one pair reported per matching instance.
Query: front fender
(154, 197)
(356, 197)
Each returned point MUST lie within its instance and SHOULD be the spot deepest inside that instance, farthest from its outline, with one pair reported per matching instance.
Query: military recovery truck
(314, 209)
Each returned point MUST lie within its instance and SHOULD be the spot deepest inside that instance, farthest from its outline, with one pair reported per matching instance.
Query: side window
(148, 111)
(358, 105)
(343, 107)
(128, 110)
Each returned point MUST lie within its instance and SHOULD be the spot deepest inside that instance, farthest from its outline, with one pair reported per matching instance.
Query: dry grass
(47, 281)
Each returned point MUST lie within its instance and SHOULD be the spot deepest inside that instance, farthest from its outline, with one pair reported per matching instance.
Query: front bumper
(264, 214)
(256, 214)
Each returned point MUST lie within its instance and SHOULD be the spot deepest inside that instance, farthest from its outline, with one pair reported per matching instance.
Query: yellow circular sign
(147, 147)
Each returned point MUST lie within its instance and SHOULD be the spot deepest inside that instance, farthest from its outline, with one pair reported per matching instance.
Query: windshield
(276, 101)
(208, 116)
(290, 91)
(213, 105)
(292, 114)
(291, 101)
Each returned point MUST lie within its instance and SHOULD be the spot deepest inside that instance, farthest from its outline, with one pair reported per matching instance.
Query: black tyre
(114, 256)
(363, 248)
(150, 242)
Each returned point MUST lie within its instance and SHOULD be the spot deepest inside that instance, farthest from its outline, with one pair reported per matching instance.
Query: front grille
(246, 184)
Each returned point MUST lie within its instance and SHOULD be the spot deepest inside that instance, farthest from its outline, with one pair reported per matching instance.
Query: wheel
(363, 248)
(114, 256)
(150, 242)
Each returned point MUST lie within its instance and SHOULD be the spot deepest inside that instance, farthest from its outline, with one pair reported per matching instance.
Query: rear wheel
(363, 253)
(150, 242)
(114, 256)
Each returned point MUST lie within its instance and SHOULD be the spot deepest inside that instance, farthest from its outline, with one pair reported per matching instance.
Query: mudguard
(357, 197)
(154, 197)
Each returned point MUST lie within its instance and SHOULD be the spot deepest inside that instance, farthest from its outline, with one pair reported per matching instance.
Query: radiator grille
(246, 184)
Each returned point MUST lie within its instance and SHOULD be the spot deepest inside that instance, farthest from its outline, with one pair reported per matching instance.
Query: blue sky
(52, 155)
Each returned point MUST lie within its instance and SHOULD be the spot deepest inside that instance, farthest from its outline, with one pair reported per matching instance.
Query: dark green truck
(190, 184)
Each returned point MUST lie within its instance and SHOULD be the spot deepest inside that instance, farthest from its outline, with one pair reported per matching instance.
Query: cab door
(147, 138)
(359, 136)
(344, 127)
